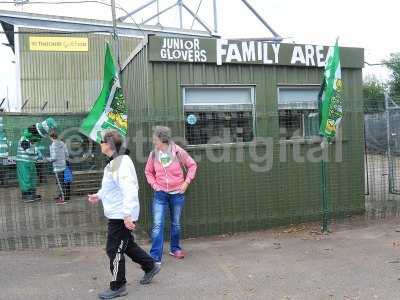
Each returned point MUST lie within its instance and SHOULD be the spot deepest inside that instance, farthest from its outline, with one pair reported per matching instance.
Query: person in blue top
(59, 156)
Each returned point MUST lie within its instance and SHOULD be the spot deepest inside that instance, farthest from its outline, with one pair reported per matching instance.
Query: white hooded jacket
(119, 189)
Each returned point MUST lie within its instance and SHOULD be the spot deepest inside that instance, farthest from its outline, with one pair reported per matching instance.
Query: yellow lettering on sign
(58, 43)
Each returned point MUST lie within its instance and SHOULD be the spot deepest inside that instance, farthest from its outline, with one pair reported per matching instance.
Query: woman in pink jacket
(169, 171)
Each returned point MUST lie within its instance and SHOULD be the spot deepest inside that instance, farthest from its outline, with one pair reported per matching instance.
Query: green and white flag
(332, 101)
(110, 110)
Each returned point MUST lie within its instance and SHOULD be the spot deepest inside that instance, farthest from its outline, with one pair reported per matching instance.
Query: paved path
(355, 262)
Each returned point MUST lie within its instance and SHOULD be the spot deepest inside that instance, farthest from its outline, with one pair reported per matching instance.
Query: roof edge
(135, 52)
(17, 18)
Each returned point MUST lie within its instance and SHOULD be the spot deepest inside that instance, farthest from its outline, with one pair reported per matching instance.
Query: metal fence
(288, 193)
(382, 157)
(44, 223)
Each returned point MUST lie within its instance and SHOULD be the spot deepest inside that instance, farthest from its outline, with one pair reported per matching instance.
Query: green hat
(46, 126)
(26, 135)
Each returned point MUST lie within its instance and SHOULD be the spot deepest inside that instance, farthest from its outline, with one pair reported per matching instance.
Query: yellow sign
(58, 43)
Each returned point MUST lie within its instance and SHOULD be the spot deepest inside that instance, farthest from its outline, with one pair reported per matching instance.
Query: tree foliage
(374, 95)
(393, 64)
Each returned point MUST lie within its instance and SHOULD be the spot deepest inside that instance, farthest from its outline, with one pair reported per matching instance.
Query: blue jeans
(161, 202)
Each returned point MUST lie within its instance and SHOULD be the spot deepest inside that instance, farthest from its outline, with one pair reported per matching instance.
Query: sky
(367, 24)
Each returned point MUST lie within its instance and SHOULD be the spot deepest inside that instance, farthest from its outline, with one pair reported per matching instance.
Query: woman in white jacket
(119, 195)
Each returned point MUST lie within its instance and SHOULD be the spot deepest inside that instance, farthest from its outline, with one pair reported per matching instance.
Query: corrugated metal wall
(58, 77)
(134, 80)
(230, 196)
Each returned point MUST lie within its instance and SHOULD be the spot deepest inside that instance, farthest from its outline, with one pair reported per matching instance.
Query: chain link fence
(285, 191)
(382, 156)
(44, 223)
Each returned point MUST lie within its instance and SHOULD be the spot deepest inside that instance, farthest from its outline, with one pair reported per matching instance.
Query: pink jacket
(172, 177)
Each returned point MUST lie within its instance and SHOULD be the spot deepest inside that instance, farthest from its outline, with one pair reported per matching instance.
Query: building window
(220, 114)
(298, 112)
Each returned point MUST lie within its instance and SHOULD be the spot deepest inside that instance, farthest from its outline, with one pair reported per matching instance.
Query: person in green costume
(28, 154)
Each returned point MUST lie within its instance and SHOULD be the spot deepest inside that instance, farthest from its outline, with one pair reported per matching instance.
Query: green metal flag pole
(324, 190)
(115, 36)
(109, 110)
(331, 112)
(324, 148)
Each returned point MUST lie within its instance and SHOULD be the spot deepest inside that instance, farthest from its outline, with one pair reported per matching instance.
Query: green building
(247, 111)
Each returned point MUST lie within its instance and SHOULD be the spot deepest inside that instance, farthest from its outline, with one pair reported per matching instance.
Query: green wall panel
(231, 196)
